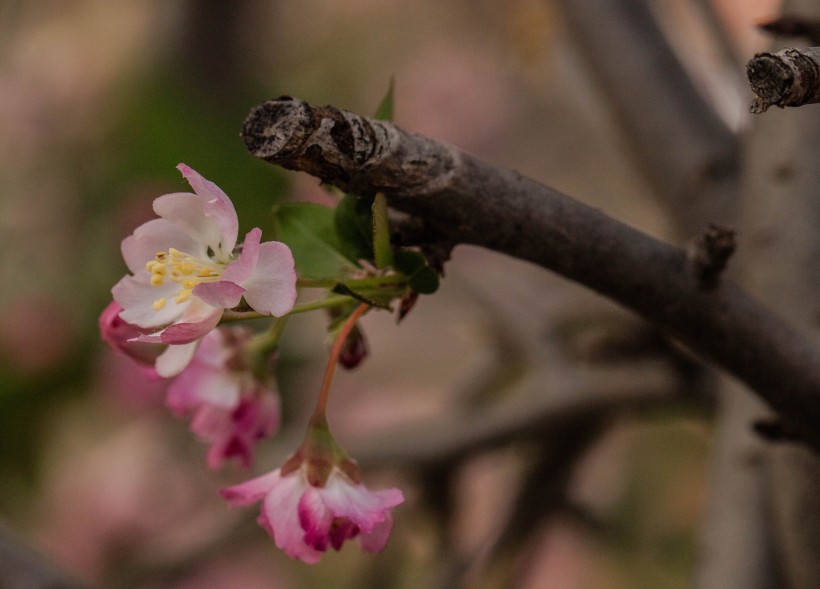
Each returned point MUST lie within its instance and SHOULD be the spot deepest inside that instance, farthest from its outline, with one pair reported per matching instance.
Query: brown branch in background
(792, 25)
(688, 154)
(472, 202)
(790, 77)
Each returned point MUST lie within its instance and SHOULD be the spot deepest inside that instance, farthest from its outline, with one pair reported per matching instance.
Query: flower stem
(321, 405)
(336, 301)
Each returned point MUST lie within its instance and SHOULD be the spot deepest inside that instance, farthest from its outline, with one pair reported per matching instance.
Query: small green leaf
(353, 220)
(421, 277)
(385, 110)
(424, 281)
(310, 232)
(382, 252)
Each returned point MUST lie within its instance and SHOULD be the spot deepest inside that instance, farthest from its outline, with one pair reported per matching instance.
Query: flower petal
(136, 296)
(187, 211)
(155, 236)
(251, 491)
(223, 294)
(377, 538)
(174, 360)
(242, 268)
(271, 289)
(197, 320)
(280, 510)
(315, 519)
(363, 507)
(218, 206)
(201, 384)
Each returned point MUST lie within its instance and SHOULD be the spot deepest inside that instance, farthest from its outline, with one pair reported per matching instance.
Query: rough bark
(790, 77)
(466, 200)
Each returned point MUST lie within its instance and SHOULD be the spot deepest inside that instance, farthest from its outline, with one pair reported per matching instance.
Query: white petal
(174, 360)
(187, 211)
(156, 236)
(136, 296)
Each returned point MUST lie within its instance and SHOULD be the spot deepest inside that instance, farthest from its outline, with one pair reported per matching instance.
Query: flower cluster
(186, 270)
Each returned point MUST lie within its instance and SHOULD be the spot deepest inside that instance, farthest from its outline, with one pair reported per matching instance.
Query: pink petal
(376, 540)
(242, 268)
(281, 512)
(217, 205)
(187, 211)
(201, 384)
(363, 507)
(253, 490)
(193, 325)
(155, 236)
(223, 294)
(174, 360)
(271, 289)
(315, 519)
(118, 334)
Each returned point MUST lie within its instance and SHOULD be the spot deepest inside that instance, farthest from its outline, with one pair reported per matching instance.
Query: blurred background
(100, 100)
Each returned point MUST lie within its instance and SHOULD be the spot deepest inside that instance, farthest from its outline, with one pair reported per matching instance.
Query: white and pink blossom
(305, 520)
(186, 270)
(230, 407)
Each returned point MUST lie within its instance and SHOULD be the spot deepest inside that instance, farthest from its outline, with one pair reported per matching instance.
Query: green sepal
(310, 231)
(382, 251)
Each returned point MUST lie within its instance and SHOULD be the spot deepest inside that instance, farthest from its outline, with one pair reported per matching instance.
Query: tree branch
(470, 201)
(790, 77)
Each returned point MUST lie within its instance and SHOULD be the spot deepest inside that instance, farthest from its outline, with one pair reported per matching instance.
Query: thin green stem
(353, 282)
(334, 301)
(321, 405)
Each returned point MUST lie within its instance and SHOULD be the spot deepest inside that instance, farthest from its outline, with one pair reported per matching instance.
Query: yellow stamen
(184, 269)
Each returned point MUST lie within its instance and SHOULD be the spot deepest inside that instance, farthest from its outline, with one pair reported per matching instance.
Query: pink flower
(232, 409)
(305, 519)
(186, 270)
(121, 335)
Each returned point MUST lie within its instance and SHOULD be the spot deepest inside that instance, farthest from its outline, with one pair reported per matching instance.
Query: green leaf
(421, 277)
(310, 232)
(382, 252)
(353, 220)
(385, 110)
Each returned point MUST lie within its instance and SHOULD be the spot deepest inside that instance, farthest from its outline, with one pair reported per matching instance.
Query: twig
(470, 201)
(711, 254)
(790, 77)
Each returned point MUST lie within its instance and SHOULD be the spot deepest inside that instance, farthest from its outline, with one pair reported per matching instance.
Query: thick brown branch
(790, 77)
(470, 201)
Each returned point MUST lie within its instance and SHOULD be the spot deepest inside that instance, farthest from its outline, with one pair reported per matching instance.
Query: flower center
(184, 269)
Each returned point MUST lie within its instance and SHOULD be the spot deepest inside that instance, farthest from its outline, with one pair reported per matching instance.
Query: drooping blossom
(186, 270)
(314, 502)
(230, 407)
